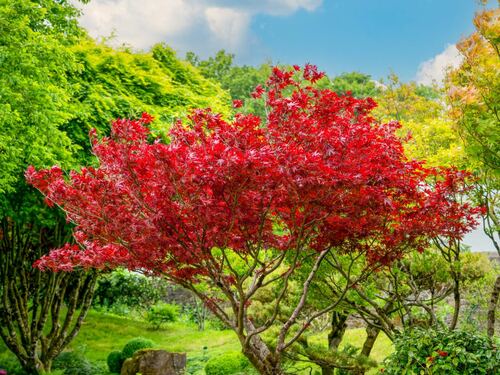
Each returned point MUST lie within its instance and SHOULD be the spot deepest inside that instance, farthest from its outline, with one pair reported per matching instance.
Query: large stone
(155, 362)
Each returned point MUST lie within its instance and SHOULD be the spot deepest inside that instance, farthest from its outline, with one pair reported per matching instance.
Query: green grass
(102, 333)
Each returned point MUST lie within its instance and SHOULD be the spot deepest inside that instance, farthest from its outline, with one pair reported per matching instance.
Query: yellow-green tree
(423, 115)
(474, 97)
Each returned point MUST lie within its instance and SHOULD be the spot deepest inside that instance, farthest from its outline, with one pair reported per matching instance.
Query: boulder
(155, 362)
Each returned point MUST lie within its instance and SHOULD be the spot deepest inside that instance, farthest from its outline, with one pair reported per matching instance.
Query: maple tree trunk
(456, 299)
(493, 307)
(259, 355)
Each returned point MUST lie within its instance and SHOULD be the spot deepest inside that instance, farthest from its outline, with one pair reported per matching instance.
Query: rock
(155, 362)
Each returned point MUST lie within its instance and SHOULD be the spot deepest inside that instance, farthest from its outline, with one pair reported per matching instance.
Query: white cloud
(434, 70)
(228, 25)
(203, 26)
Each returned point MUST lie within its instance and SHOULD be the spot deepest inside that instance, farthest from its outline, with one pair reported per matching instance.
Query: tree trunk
(493, 307)
(34, 324)
(371, 336)
(338, 327)
(258, 353)
(456, 300)
(265, 362)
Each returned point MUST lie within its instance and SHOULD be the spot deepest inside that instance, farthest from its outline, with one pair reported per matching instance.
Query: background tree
(238, 80)
(55, 84)
(229, 203)
(35, 93)
(473, 92)
(358, 84)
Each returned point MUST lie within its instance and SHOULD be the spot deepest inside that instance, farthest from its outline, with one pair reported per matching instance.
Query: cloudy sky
(413, 38)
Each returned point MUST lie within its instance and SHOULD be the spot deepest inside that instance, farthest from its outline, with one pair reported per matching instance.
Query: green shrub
(229, 363)
(115, 361)
(122, 291)
(134, 345)
(442, 352)
(75, 363)
(161, 314)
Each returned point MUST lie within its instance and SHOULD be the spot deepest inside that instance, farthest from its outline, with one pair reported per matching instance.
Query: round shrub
(442, 352)
(134, 345)
(229, 363)
(115, 361)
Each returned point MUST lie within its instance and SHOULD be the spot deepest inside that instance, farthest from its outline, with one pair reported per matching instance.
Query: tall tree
(55, 84)
(35, 101)
(474, 95)
(229, 203)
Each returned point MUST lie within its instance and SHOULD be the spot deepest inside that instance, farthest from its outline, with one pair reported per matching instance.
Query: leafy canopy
(321, 170)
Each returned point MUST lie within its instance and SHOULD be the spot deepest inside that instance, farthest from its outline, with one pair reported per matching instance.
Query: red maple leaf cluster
(319, 173)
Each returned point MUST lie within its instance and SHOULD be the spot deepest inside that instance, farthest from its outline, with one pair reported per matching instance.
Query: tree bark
(338, 326)
(493, 307)
(264, 361)
(371, 336)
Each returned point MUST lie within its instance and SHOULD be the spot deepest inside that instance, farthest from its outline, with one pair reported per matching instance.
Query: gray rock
(155, 362)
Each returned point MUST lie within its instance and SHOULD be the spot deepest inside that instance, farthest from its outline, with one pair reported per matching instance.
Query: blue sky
(371, 36)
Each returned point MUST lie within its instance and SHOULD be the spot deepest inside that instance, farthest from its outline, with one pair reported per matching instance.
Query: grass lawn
(102, 333)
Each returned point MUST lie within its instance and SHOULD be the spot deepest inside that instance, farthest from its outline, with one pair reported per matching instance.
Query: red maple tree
(225, 208)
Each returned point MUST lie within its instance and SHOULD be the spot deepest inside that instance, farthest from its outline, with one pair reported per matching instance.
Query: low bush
(115, 361)
(229, 363)
(442, 352)
(161, 314)
(134, 345)
(75, 363)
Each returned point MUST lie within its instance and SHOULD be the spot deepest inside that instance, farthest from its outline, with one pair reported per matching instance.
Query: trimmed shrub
(115, 361)
(442, 352)
(161, 314)
(229, 363)
(134, 345)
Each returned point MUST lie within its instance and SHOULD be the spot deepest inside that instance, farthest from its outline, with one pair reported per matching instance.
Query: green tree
(424, 119)
(40, 313)
(358, 84)
(55, 84)
(238, 81)
(474, 96)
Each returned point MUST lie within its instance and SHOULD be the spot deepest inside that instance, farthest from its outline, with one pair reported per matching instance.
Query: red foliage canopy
(320, 173)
